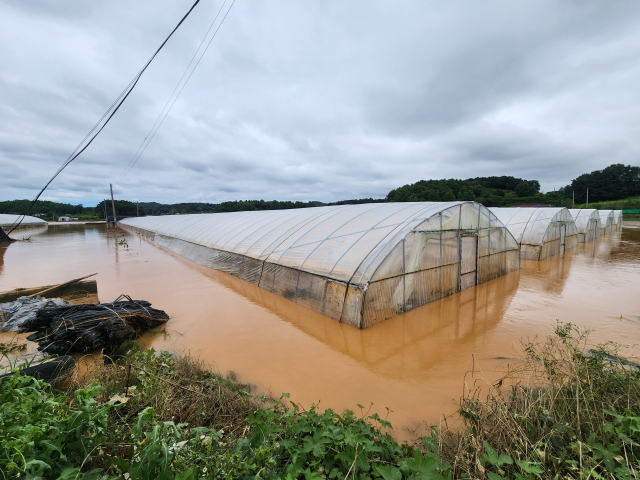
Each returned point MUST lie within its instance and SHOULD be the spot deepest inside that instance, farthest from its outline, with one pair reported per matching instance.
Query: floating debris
(87, 328)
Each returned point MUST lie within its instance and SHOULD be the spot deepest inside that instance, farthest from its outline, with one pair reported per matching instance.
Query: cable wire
(115, 106)
(152, 132)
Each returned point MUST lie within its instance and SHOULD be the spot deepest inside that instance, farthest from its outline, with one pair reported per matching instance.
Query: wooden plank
(89, 287)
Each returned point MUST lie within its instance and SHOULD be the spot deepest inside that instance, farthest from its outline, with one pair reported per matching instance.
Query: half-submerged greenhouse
(588, 223)
(606, 221)
(541, 232)
(359, 264)
(7, 221)
(617, 219)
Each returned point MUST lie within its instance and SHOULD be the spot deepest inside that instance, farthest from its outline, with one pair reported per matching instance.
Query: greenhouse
(606, 221)
(7, 221)
(617, 219)
(359, 264)
(541, 232)
(588, 224)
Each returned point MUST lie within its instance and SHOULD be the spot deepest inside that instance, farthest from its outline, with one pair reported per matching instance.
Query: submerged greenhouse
(359, 264)
(617, 219)
(606, 221)
(541, 232)
(7, 221)
(588, 223)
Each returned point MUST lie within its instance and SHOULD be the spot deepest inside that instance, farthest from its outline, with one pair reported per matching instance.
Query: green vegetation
(616, 182)
(627, 203)
(124, 208)
(490, 191)
(48, 210)
(563, 414)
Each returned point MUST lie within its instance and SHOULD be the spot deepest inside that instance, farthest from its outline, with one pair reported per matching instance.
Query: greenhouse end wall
(423, 258)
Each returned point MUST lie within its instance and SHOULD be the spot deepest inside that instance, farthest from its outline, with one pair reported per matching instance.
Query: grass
(627, 203)
(563, 413)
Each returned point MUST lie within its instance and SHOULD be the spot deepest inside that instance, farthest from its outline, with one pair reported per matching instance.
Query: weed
(567, 412)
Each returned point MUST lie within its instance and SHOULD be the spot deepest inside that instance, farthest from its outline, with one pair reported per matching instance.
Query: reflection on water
(413, 363)
(400, 347)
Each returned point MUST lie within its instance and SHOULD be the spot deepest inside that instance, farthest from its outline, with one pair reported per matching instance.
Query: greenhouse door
(468, 260)
(563, 236)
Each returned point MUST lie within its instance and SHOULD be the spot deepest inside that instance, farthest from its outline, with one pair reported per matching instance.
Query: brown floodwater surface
(414, 363)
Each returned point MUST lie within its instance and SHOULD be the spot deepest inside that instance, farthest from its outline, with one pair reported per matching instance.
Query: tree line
(614, 182)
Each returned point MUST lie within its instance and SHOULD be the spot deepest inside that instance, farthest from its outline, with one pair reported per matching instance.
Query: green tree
(523, 189)
(466, 194)
(448, 196)
(433, 196)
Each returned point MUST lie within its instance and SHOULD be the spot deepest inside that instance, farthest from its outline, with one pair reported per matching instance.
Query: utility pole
(574, 199)
(137, 208)
(105, 209)
(113, 206)
(587, 198)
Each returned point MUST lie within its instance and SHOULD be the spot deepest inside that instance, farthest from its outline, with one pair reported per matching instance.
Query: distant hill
(46, 209)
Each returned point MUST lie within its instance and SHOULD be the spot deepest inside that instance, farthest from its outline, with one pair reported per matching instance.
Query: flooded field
(413, 363)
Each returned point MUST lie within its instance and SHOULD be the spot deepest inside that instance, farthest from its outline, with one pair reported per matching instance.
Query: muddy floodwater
(414, 363)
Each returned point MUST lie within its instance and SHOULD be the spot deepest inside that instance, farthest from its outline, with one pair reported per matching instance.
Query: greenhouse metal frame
(540, 232)
(588, 223)
(359, 264)
(606, 221)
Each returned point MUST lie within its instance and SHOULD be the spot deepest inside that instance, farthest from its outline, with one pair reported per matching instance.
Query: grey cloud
(315, 100)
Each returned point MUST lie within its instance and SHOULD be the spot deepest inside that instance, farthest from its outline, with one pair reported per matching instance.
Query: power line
(113, 108)
(152, 132)
(133, 159)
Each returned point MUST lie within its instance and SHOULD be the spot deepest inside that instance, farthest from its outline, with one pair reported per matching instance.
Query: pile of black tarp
(87, 328)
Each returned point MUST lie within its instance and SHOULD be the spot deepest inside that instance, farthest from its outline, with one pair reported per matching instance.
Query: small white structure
(64, 219)
(587, 222)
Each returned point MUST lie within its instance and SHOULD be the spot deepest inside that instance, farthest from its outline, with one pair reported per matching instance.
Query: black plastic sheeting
(87, 328)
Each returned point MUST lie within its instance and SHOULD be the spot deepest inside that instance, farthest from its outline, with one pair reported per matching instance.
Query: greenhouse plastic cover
(583, 216)
(617, 217)
(340, 248)
(606, 218)
(530, 226)
(7, 220)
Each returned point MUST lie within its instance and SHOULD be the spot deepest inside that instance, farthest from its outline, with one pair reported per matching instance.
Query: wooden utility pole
(113, 206)
(137, 208)
(574, 199)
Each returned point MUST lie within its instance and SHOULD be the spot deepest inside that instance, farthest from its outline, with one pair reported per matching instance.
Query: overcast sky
(315, 100)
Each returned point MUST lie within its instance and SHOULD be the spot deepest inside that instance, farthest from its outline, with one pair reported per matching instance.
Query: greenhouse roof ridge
(341, 241)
